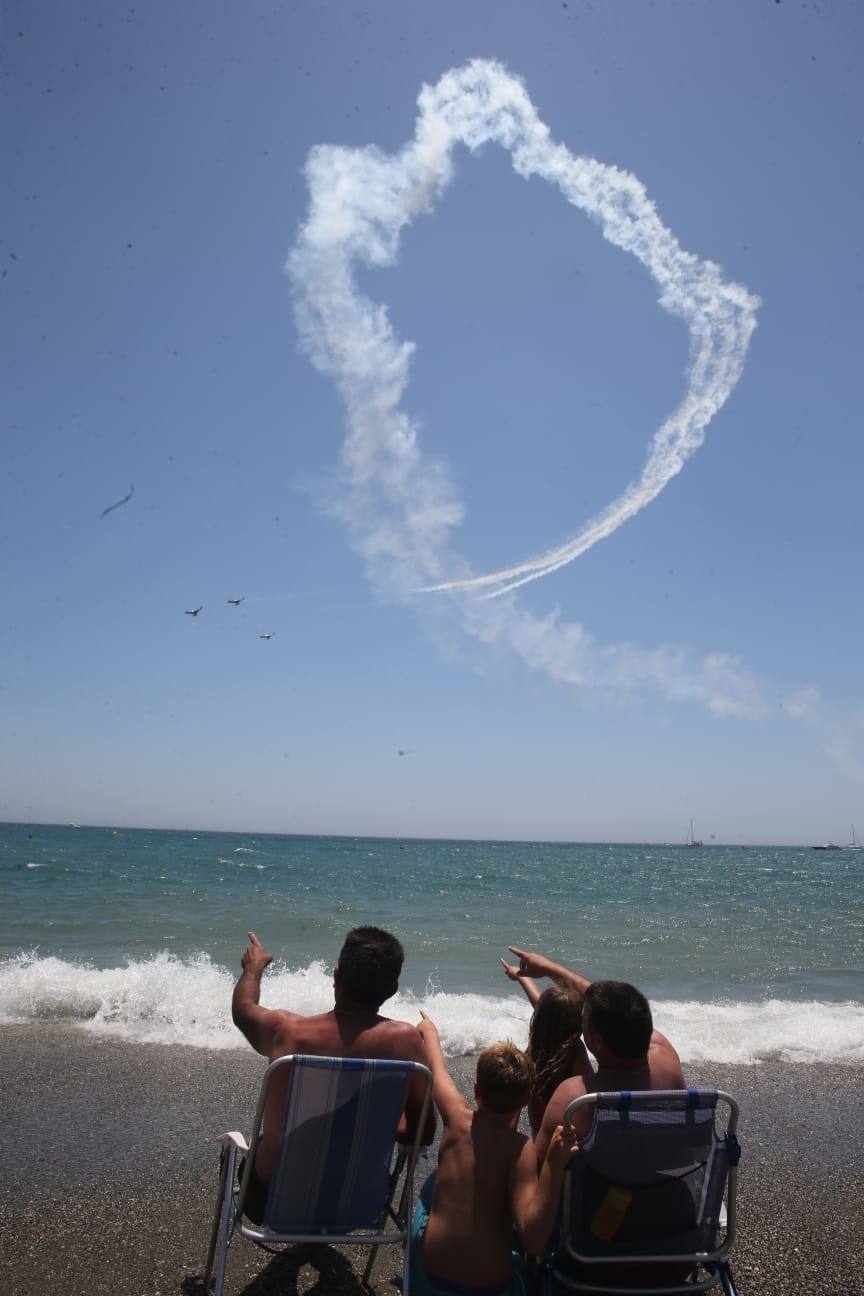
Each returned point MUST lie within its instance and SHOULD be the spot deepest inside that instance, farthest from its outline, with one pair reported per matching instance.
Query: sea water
(745, 952)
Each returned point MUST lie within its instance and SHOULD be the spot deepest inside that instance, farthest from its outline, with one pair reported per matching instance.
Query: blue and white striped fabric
(333, 1161)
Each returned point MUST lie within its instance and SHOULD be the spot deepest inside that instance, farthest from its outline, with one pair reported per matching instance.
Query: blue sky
(152, 192)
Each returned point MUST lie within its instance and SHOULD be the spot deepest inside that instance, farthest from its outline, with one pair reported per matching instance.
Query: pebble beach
(109, 1172)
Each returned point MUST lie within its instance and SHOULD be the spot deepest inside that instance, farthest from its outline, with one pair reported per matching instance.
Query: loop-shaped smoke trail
(361, 200)
(400, 506)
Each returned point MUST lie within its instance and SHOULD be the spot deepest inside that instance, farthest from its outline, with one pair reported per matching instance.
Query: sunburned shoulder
(293, 1033)
(401, 1037)
(664, 1064)
(572, 1087)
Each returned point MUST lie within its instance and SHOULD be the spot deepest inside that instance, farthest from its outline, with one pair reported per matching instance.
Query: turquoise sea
(745, 952)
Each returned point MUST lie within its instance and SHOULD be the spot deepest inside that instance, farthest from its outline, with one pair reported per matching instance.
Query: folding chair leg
(401, 1158)
(217, 1215)
(370, 1265)
(730, 1287)
(221, 1224)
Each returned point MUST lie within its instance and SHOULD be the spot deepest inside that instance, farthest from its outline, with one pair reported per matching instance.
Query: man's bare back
(350, 1029)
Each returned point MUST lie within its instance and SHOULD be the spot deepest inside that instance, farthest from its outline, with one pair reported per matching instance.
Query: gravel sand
(109, 1173)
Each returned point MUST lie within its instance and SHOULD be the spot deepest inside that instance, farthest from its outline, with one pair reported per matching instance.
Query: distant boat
(828, 846)
(691, 837)
(853, 844)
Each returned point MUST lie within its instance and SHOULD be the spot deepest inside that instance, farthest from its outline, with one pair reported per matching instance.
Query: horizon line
(408, 837)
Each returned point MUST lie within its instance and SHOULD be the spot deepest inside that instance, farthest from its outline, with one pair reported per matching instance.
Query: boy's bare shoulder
(516, 1144)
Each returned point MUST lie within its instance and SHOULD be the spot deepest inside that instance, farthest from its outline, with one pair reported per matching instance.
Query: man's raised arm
(257, 1024)
(538, 965)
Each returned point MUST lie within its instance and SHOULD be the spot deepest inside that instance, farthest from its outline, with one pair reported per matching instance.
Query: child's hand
(512, 969)
(427, 1028)
(562, 1145)
(532, 965)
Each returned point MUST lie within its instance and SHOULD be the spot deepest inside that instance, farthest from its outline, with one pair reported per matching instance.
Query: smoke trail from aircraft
(401, 507)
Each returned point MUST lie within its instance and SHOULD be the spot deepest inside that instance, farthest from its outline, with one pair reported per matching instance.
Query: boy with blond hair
(487, 1179)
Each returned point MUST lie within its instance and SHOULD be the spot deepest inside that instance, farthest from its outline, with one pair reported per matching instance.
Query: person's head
(369, 965)
(554, 1033)
(556, 1019)
(504, 1076)
(616, 1016)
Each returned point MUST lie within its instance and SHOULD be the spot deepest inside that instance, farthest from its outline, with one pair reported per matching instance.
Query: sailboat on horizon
(691, 839)
(853, 844)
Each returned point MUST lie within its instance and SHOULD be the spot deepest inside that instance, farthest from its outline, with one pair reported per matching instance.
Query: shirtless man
(486, 1180)
(618, 1030)
(366, 974)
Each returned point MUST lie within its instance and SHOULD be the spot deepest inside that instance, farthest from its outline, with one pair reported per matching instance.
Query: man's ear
(592, 1041)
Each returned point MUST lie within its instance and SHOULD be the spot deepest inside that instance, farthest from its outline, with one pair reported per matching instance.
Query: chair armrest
(235, 1138)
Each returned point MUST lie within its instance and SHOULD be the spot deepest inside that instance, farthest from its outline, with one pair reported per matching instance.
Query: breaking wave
(168, 1000)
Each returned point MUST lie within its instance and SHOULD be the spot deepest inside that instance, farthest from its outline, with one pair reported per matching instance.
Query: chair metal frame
(228, 1217)
(715, 1261)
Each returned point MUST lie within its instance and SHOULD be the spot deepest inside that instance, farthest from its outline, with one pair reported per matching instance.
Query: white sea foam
(167, 1000)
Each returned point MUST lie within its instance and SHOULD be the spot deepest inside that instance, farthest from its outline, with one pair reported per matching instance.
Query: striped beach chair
(338, 1168)
(649, 1199)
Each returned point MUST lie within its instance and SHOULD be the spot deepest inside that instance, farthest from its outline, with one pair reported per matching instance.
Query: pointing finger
(253, 939)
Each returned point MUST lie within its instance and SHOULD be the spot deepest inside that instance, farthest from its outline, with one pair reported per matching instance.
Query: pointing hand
(532, 965)
(427, 1027)
(255, 958)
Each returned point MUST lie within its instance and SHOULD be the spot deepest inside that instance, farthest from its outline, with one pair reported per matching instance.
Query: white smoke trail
(400, 507)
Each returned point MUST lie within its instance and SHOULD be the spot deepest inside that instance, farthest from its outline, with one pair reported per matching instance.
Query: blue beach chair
(648, 1204)
(338, 1167)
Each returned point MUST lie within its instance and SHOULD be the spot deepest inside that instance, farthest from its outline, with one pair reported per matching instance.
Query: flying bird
(267, 636)
(125, 500)
(193, 611)
(236, 602)
(406, 752)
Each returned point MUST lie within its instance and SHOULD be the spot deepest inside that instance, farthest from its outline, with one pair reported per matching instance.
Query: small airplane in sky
(235, 602)
(193, 611)
(267, 636)
(125, 500)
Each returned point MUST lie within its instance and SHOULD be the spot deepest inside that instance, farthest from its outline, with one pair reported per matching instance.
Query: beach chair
(648, 1204)
(338, 1167)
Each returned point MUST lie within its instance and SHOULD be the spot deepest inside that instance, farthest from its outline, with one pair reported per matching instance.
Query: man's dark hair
(621, 1016)
(369, 965)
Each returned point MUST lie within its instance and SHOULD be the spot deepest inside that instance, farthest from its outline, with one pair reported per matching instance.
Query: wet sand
(109, 1173)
